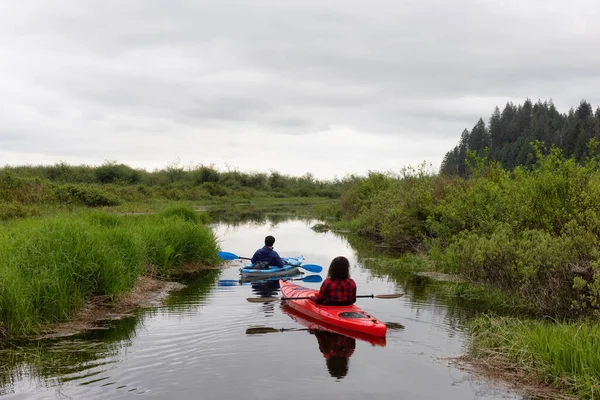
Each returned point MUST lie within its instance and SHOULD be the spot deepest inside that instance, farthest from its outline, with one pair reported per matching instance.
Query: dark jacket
(267, 254)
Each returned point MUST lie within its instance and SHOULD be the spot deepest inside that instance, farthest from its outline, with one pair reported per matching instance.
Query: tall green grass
(48, 267)
(566, 355)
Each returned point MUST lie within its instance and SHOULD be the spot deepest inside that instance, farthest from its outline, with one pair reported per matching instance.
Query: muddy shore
(148, 291)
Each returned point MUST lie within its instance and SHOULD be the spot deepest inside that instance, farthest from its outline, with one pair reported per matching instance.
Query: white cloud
(324, 87)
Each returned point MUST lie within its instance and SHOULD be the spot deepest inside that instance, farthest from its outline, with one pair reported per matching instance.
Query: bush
(84, 195)
(117, 173)
(24, 190)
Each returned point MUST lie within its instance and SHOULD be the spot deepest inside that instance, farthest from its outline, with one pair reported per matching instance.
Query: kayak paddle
(372, 296)
(259, 330)
(310, 278)
(230, 256)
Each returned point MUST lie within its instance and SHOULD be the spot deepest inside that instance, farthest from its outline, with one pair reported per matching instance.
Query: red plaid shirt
(337, 293)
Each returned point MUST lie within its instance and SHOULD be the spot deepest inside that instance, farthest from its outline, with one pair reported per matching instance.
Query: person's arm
(323, 292)
(353, 299)
(276, 260)
(254, 257)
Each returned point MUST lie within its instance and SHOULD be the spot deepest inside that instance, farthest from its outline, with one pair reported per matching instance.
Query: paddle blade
(389, 296)
(262, 299)
(394, 326)
(312, 278)
(228, 282)
(261, 330)
(227, 256)
(312, 268)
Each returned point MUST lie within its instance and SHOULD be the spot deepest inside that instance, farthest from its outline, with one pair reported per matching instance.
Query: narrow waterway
(204, 341)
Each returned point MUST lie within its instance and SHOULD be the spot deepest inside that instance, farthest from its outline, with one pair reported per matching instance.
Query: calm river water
(196, 345)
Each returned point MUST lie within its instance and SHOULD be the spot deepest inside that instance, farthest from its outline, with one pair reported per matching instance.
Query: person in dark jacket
(267, 254)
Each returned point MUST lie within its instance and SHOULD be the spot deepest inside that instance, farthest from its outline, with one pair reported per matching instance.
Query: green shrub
(117, 173)
(24, 190)
(84, 195)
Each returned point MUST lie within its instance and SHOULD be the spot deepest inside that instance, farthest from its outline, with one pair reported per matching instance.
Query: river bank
(511, 340)
(147, 291)
(527, 237)
(53, 267)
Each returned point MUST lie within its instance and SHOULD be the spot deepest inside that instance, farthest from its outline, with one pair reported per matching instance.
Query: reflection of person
(266, 288)
(266, 255)
(337, 350)
(338, 289)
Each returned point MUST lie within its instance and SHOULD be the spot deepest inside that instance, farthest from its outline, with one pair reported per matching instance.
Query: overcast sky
(326, 87)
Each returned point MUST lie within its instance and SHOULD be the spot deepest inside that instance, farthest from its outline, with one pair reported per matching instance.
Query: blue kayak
(290, 266)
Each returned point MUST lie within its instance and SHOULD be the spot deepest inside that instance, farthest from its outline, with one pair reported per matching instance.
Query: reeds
(566, 355)
(49, 266)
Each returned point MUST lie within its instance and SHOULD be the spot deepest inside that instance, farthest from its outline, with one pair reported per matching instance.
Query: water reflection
(337, 350)
(80, 357)
(236, 218)
(195, 339)
(266, 287)
(335, 344)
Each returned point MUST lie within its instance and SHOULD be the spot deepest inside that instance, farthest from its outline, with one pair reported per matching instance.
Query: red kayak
(350, 318)
(311, 323)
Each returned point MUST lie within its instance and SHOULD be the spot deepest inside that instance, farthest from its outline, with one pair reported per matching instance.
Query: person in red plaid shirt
(338, 289)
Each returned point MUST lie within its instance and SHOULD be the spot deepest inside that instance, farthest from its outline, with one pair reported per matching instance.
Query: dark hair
(339, 269)
(269, 240)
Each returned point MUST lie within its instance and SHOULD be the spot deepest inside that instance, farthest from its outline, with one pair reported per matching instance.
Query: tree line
(508, 135)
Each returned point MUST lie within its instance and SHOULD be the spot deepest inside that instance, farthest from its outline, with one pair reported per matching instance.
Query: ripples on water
(207, 342)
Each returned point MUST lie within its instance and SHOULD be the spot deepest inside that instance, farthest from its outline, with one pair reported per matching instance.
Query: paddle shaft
(306, 297)
(225, 255)
(270, 299)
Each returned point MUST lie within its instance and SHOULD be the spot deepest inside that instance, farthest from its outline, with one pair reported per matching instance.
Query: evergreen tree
(479, 138)
(450, 163)
(463, 146)
(524, 116)
(496, 129)
(512, 130)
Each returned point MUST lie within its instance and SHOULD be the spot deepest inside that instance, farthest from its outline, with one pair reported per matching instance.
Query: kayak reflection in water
(267, 288)
(337, 350)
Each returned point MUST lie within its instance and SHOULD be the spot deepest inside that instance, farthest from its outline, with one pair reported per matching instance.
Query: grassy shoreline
(559, 354)
(510, 338)
(532, 234)
(50, 266)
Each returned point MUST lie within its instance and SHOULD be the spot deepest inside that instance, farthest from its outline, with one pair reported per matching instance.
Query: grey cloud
(412, 69)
